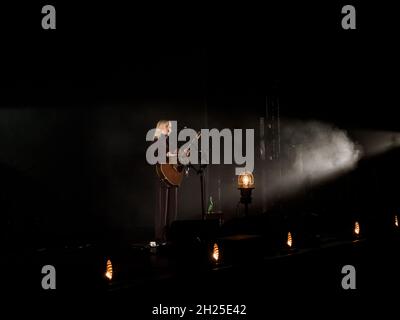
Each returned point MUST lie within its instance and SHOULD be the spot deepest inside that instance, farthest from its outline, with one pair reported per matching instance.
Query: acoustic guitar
(172, 174)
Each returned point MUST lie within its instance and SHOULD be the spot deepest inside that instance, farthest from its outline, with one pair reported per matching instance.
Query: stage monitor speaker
(192, 231)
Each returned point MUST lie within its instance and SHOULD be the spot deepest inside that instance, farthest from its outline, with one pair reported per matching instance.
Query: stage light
(357, 229)
(246, 186)
(215, 253)
(153, 244)
(109, 270)
(396, 221)
(289, 241)
(246, 180)
(377, 142)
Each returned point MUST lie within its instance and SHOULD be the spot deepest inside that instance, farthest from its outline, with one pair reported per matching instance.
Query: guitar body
(170, 174)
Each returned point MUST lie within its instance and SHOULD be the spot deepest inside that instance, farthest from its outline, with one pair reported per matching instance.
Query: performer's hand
(170, 154)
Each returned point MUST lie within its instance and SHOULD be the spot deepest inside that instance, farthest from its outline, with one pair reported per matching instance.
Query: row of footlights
(215, 252)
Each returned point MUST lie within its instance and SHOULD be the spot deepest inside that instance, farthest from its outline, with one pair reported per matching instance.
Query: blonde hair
(158, 130)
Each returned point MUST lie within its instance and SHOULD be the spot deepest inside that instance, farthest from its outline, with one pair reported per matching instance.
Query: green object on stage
(210, 206)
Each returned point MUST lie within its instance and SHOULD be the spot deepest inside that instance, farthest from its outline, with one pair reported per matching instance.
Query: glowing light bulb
(357, 228)
(289, 240)
(246, 180)
(109, 270)
(215, 253)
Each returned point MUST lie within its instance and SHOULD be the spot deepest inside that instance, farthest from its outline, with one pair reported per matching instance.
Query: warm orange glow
(357, 228)
(246, 180)
(215, 253)
(396, 221)
(109, 272)
(289, 240)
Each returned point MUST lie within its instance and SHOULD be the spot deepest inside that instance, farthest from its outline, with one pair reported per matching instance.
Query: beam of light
(377, 142)
(311, 152)
(325, 150)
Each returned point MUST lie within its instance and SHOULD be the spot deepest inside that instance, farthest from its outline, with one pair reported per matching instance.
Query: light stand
(246, 186)
(245, 198)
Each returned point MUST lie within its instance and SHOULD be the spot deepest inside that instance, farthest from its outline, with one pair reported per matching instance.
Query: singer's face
(166, 129)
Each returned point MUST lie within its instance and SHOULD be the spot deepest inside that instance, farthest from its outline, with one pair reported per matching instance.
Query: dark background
(76, 102)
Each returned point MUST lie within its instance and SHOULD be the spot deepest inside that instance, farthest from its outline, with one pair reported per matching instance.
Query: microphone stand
(200, 172)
